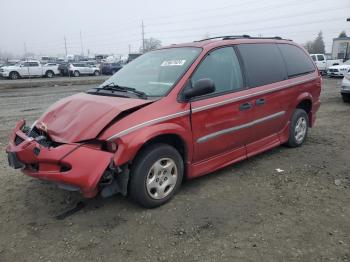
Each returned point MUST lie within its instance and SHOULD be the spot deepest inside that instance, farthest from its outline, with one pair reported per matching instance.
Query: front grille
(39, 136)
(18, 140)
(333, 70)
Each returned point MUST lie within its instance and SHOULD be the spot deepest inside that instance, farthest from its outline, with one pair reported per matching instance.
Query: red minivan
(181, 111)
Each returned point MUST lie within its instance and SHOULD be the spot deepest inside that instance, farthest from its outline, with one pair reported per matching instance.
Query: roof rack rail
(228, 37)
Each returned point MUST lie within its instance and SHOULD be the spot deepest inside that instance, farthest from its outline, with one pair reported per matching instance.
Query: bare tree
(151, 44)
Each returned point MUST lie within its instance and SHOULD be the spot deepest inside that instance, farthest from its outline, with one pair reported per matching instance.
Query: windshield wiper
(114, 87)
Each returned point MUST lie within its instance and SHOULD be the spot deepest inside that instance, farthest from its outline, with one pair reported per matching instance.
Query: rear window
(297, 61)
(263, 64)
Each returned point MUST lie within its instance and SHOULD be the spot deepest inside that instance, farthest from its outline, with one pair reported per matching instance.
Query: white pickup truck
(323, 63)
(29, 68)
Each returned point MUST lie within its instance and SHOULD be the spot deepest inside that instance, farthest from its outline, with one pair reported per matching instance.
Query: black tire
(76, 73)
(140, 172)
(114, 71)
(14, 75)
(293, 140)
(346, 99)
(96, 73)
(49, 74)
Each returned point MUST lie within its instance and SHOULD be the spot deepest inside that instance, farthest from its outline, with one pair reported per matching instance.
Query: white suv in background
(80, 68)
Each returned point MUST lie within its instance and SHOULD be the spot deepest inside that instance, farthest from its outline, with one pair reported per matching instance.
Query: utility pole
(65, 46)
(81, 43)
(143, 37)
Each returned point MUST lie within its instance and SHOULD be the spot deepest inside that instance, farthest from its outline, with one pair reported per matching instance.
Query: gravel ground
(245, 212)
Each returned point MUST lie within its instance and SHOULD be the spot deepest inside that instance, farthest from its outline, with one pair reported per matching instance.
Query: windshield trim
(180, 76)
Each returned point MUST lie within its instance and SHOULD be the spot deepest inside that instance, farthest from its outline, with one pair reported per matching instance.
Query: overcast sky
(110, 26)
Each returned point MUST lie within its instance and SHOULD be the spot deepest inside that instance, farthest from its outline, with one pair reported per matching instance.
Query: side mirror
(200, 87)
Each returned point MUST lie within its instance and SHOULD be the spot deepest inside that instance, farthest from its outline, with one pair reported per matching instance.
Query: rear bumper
(73, 166)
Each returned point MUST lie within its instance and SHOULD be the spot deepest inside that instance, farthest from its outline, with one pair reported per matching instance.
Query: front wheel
(298, 128)
(156, 175)
(96, 73)
(76, 73)
(14, 75)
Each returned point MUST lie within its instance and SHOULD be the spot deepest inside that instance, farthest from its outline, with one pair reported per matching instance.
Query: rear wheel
(96, 73)
(49, 74)
(156, 175)
(298, 128)
(346, 99)
(76, 73)
(14, 75)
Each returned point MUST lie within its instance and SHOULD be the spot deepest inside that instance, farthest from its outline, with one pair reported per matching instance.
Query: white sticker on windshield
(173, 63)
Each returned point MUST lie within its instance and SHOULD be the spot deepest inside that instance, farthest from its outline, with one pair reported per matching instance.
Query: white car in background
(345, 87)
(29, 68)
(82, 68)
(323, 62)
(339, 70)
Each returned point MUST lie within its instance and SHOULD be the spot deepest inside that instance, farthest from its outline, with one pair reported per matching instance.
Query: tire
(156, 175)
(96, 73)
(14, 75)
(76, 73)
(49, 74)
(346, 99)
(114, 71)
(298, 128)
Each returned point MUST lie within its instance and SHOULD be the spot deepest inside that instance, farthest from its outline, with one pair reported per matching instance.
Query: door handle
(245, 106)
(260, 101)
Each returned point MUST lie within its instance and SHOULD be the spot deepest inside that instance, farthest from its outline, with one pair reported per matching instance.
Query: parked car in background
(29, 68)
(339, 70)
(110, 68)
(184, 110)
(82, 68)
(323, 63)
(132, 57)
(345, 87)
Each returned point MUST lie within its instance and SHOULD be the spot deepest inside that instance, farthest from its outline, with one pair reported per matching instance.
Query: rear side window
(313, 58)
(221, 66)
(263, 64)
(297, 61)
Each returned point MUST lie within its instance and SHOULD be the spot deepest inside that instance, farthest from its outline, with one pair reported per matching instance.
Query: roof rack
(229, 37)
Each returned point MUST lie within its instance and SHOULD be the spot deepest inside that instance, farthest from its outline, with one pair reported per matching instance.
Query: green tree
(342, 34)
(318, 45)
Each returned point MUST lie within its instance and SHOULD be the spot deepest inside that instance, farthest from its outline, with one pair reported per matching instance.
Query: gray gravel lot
(245, 212)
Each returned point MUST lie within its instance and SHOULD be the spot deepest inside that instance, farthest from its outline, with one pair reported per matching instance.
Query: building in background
(341, 48)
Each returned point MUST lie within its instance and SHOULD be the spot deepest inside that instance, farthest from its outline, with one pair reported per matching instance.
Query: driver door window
(221, 66)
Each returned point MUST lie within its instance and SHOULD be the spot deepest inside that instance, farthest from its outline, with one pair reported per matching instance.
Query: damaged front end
(85, 167)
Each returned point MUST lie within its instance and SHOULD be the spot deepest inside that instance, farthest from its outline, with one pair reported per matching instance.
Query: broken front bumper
(73, 166)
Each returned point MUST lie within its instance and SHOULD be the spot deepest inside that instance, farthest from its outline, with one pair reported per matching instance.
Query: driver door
(219, 120)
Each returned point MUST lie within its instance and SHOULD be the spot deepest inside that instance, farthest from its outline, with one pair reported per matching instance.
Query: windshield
(347, 62)
(156, 72)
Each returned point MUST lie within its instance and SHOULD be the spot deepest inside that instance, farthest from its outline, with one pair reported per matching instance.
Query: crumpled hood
(83, 116)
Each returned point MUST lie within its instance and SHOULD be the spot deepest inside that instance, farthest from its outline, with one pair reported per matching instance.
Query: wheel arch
(171, 134)
(304, 102)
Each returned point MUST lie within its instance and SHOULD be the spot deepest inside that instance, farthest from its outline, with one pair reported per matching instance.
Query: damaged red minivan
(181, 111)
